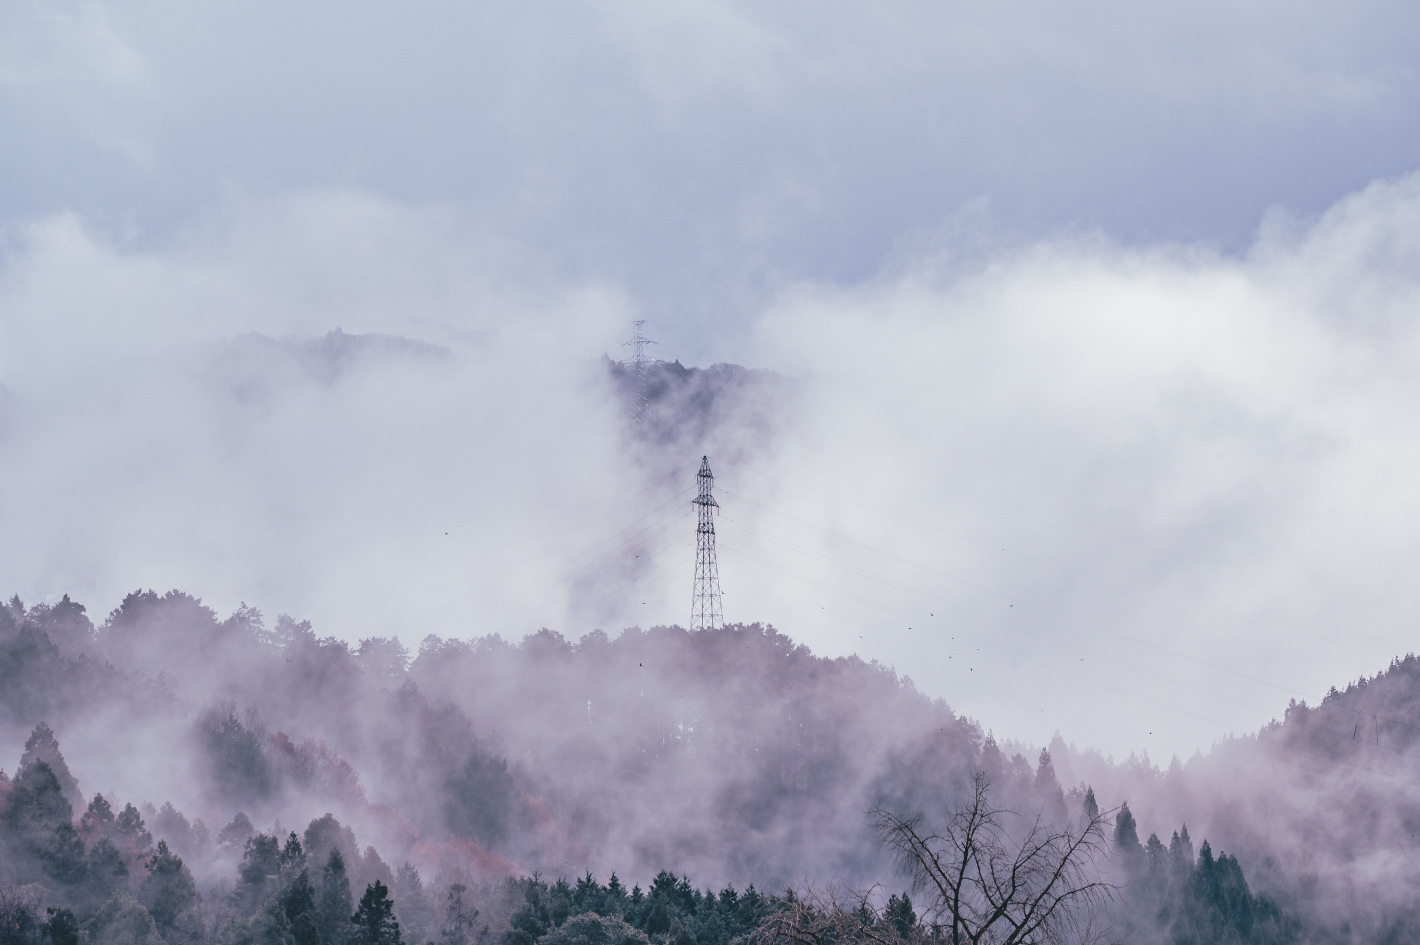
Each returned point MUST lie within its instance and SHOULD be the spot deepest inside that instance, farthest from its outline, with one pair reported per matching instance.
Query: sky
(1102, 318)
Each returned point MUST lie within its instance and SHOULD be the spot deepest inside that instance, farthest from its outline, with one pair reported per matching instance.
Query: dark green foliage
(62, 928)
(268, 927)
(98, 819)
(131, 835)
(238, 771)
(236, 833)
(460, 917)
(66, 623)
(35, 809)
(43, 746)
(533, 920)
(592, 929)
(182, 837)
(122, 921)
(1175, 899)
(168, 890)
(334, 903)
(36, 802)
(107, 871)
(323, 835)
(299, 898)
(259, 873)
(480, 799)
(64, 861)
(374, 920)
(1126, 832)
(900, 914)
(673, 912)
(19, 923)
(412, 905)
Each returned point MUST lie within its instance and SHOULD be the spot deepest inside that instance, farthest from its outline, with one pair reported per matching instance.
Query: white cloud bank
(1161, 490)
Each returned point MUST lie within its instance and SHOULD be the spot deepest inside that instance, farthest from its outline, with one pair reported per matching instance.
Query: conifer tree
(168, 889)
(459, 917)
(43, 746)
(334, 904)
(1126, 832)
(374, 921)
(900, 914)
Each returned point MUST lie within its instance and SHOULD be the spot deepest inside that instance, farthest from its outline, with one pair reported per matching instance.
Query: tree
(131, 835)
(19, 922)
(592, 929)
(106, 872)
(122, 921)
(259, 872)
(98, 820)
(900, 914)
(1126, 832)
(299, 901)
(374, 920)
(43, 746)
(333, 901)
(996, 876)
(168, 889)
(35, 813)
(64, 860)
(414, 909)
(459, 917)
(62, 928)
(837, 917)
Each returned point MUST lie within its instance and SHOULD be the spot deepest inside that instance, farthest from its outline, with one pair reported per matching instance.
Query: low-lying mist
(734, 757)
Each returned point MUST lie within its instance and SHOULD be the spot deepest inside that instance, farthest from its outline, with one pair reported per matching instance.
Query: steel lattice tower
(705, 613)
(640, 365)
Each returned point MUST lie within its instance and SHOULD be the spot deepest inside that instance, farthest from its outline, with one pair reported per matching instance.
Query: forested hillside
(194, 773)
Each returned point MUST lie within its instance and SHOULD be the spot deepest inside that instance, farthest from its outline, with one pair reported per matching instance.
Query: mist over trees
(183, 777)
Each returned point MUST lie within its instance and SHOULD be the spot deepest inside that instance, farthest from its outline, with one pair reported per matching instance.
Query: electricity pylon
(640, 370)
(705, 612)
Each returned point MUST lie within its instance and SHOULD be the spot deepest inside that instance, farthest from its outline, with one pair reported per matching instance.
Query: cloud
(155, 445)
(708, 156)
(1146, 493)
(1139, 495)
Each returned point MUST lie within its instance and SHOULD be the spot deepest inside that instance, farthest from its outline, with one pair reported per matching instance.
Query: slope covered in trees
(733, 756)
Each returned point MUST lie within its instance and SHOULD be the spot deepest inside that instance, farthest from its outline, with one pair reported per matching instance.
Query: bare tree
(995, 877)
(19, 918)
(837, 917)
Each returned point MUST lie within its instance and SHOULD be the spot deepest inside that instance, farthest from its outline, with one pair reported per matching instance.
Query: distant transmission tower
(640, 370)
(705, 611)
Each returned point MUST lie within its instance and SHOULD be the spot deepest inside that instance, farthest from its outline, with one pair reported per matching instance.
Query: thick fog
(1142, 497)
(1056, 364)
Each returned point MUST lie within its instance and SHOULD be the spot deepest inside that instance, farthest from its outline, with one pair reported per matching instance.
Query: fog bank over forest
(732, 757)
(1143, 494)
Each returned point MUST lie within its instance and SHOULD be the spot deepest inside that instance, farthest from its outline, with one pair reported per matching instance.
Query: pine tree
(1126, 832)
(900, 914)
(299, 901)
(43, 746)
(413, 904)
(131, 834)
(374, 921)
(64, 860)
(459, 917)
(334, 904)
(107, 872)
(62, 928)
(98, 821)
(168, 889)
